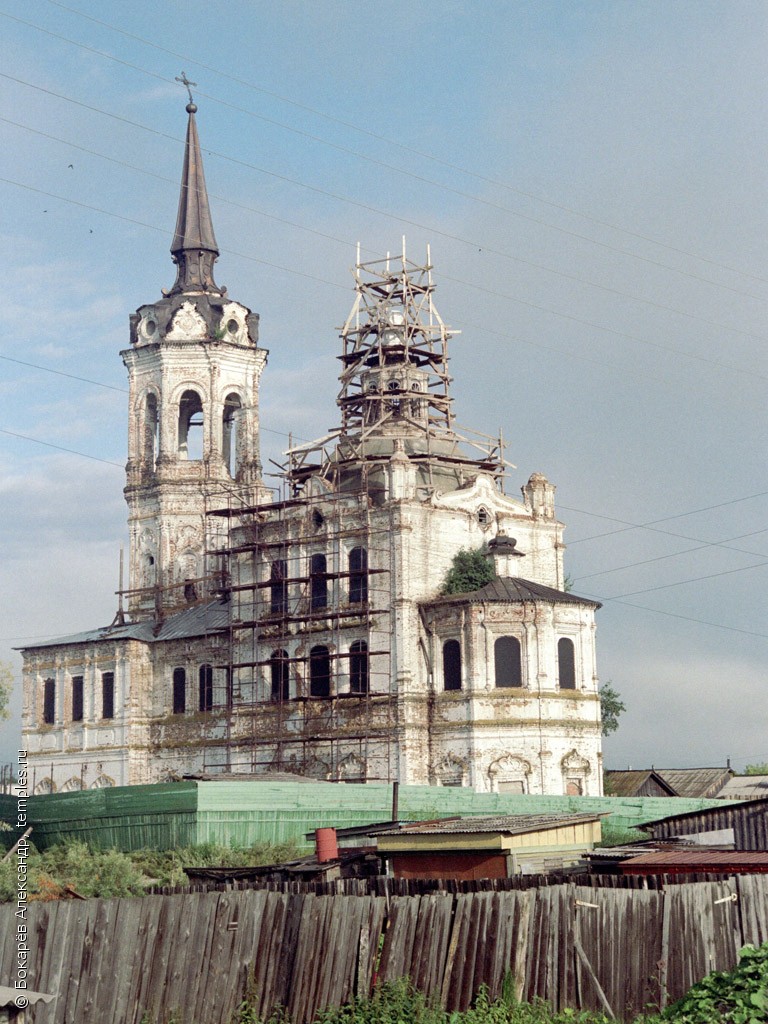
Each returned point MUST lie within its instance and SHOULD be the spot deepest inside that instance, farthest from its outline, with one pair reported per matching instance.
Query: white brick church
(310, 632)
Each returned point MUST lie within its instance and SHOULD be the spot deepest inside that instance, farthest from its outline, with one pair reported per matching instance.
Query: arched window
(318, 583)
(508, 662)
(151, 433)
(205, 677)
(451, 665)
(566, 664)
(179, 691)
(279, 673)
(190, 426)
(359, 680)
(230, 434)
(319, 672)
(107, 694)
(49, 702)
(358, 575)
(278, 587)
(77, 698)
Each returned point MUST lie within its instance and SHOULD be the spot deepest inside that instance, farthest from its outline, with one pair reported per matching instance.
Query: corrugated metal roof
(745, 787)
(509, 824)
(513, 590)
(693, 782)
(199, 620)
(9, 996)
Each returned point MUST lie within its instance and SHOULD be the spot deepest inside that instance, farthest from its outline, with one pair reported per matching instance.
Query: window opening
(319, 672)
(230, 435)
(278, 590)
(507, 656)
(451, 665)
(566, 664)
(279, 671)
(77, 698)
(151, 431)
(191, 426)
(318, 583)
(205, 676)
(359, 676)
(358, 575)
(179, 691)
(107, 694)
(49, 702)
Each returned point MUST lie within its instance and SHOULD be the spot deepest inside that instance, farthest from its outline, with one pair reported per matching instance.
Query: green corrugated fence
(241, 813)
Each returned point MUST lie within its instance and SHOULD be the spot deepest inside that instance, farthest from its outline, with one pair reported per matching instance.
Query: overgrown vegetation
(469, 570)
(611, 707)
(75, 867)
(739, 996)
(757, 769)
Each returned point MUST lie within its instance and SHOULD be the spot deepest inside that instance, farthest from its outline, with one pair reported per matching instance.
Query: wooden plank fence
(195, 957)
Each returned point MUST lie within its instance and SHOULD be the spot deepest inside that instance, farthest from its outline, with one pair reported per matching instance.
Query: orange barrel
(327, 847)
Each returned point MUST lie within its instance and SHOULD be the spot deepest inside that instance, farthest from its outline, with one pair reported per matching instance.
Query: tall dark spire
(194, 246)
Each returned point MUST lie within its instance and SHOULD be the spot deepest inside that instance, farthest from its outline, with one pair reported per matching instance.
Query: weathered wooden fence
(197, 955)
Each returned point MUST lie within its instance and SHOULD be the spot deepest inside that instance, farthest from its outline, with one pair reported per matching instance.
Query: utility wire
(403, 220)
(70, 451)
(694, 579)
(399, 145)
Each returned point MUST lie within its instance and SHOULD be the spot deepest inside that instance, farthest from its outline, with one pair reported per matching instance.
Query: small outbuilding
(492, 847)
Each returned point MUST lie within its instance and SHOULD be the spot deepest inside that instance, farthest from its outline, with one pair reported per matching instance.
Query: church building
(312, 631)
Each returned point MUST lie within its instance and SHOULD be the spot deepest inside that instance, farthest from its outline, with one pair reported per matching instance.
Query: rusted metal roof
(693, 782)
(509, 824)
(515, 591)
(199, 620)
(716, 861)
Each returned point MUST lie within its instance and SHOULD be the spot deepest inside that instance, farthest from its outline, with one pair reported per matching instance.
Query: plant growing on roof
(469, 570)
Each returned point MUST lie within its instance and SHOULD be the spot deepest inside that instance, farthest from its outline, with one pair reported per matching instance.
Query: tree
(756, 769)
(6, 686)
(469, 570)
(611, 707)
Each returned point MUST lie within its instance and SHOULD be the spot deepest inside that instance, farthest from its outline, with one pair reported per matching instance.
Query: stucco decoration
(105, 782)
(351, 767)
(574, 762)
(233, 325)
(451, 771)
(45, 786)
(187, 324)
(72, 785)
(510, 772)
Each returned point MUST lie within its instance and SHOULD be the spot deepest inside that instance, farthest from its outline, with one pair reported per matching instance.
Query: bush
(739, 996)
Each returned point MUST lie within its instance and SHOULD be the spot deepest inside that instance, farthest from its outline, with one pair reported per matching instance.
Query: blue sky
(591, 179)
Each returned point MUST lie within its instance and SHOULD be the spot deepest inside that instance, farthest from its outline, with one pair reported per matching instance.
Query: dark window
(279, 671)
(358, 667)
(179, 691)
(319, 672)
(278, 589)
(358, 575)
(566, 664)
(49, 701)
(190, 426)
(107, 694)
(77, 698)
(452, 665)
(205, 676)
(507, 661)
(318, 583)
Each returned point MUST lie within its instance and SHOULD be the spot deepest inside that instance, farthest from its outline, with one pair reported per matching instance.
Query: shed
(492, 847)
(745, 787)
(743, 824)
(11, 1012)
(696, 782)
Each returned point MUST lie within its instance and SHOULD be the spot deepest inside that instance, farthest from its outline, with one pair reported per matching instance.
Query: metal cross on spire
(183, 80)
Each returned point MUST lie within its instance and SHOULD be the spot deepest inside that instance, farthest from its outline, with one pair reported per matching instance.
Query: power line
(676, 554)
(403, 220)
(70, 451)
(399, 145)
(694, 579)
(655, 522)
(677, 615)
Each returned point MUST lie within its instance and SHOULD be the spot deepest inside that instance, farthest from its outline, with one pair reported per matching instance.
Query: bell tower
(194, 367)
